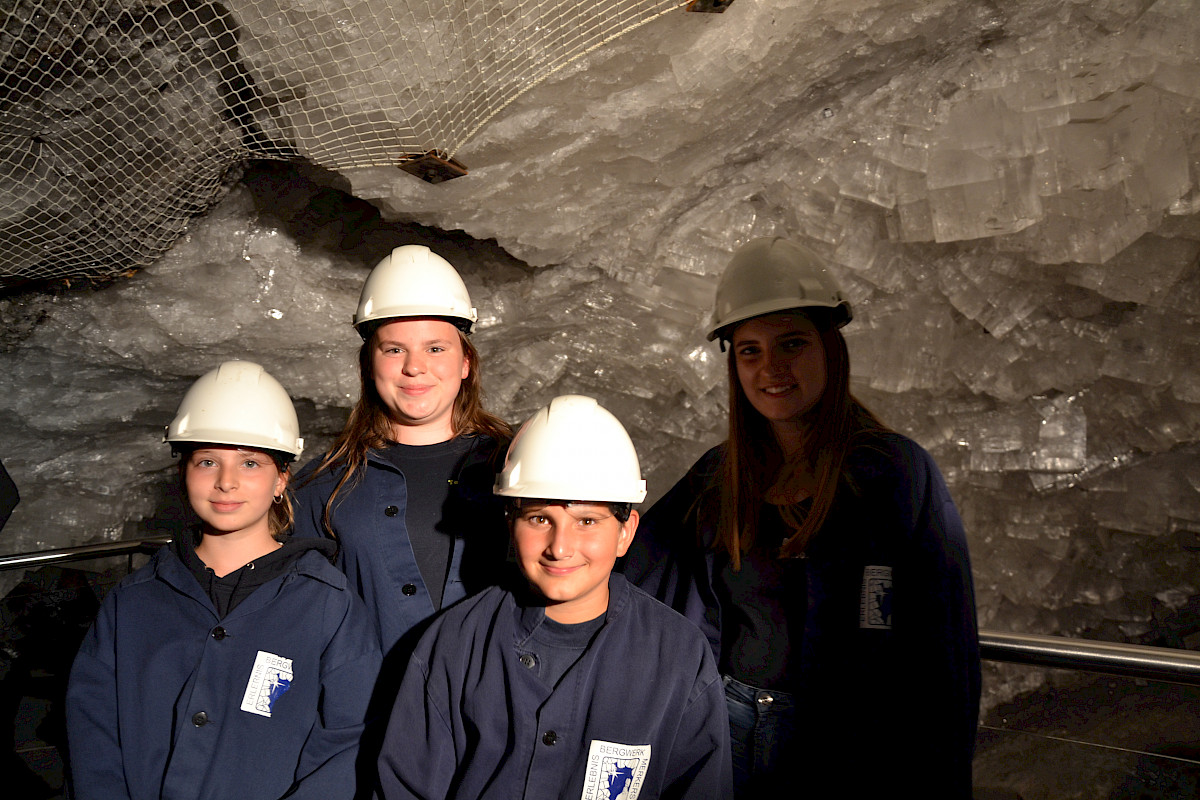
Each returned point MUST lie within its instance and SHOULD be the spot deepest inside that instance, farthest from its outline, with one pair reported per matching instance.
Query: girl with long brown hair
(406, 489)
(821, 553)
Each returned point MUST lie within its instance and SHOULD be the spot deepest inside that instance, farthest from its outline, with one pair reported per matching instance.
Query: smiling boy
(572, 682)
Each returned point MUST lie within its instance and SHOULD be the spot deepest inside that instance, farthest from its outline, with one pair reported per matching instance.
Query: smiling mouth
(561, 571)
(225, 506)
(775, 391)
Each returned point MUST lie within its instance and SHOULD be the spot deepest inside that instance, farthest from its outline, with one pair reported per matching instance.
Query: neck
(791, 436)
(224, 552)
(422, 434)
(795, 480)
(573, 616)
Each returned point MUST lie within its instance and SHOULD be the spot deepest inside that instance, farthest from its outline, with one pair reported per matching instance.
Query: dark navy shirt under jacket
(369, 521)
(430, 471)
(764, 603)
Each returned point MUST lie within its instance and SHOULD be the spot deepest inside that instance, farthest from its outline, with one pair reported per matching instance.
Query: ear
(281, 481)
(627, 533)
(466, 367)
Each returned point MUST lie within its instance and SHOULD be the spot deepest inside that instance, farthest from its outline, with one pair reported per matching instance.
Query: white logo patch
(269, 679)
(875, 607)
(615, 771)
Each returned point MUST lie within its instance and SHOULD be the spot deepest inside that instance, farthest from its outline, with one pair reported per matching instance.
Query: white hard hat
(237, 403)
(773, 274)
(414, 281)
(572, 449)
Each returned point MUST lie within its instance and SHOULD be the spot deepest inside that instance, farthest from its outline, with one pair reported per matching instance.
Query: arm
(700, 762)
(308, 501)
(941, 636)
(652, 560)
(350, 666)
(419, 758)
(93, 731)
(670, 557)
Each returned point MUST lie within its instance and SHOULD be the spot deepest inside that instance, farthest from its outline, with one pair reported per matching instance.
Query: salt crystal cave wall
(1010, 194)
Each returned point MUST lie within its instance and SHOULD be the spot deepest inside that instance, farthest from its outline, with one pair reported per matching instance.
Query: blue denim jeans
(761, 725)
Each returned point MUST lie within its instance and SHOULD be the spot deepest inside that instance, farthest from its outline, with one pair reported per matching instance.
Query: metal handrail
(62, 555)
(1112, 658)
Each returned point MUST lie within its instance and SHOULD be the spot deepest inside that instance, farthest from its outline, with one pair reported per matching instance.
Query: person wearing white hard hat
(569, 682)
(822, 555)
(238, 662)
(405, 489)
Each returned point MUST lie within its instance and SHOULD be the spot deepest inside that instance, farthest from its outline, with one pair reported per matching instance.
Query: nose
(562, 542)
(227, 477)
(414, 363)
(777, 360)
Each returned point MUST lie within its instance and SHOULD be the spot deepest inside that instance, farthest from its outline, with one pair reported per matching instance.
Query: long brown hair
(753, 459)
(370, 423)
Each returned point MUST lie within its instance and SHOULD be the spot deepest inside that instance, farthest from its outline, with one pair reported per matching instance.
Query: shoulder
(486, 449)
(471, 612)
(456, 632)
(673, 514)
(305, 473)
(145, 575)
(702, 475)
(887, 455)
(898, 475)
(676, 645)
(317, 481)
(313, 481)
(709, 464)
(146, 588)
(315, 564)
(663, 625)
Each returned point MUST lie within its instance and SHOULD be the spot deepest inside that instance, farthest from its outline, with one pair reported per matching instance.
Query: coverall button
(391, 511)
(551, 738)
(528, 661)
(409, 589)
(218, 633)
(765, 698)
(199, 719)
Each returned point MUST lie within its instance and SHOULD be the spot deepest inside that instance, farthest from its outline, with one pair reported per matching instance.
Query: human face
(231, 488)
(418, 365)
(781, 367)
(566, 552)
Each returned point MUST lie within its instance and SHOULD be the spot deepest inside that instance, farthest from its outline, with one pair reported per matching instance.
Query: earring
(278, 499)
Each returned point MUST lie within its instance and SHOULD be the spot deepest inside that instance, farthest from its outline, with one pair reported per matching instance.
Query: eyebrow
(788, 335)
(426, 343)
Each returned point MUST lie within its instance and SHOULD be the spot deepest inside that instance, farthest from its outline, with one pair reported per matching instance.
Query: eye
(205, 462)
(747, 350)
(250, 463)
(586, 522)
(437, 349)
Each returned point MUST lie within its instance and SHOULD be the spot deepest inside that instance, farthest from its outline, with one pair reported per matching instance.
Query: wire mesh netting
(121, 120)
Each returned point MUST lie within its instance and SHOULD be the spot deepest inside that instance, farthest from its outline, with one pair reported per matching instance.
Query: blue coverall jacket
(165, 700)
(642, 711)
(368, 522)
(889, 677)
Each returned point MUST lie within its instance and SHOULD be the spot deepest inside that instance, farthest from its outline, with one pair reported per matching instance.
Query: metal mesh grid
(120, 120)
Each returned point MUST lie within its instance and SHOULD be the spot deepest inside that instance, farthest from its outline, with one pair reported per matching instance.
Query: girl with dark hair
(238, 662)
(821, 553)
(406, 488)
